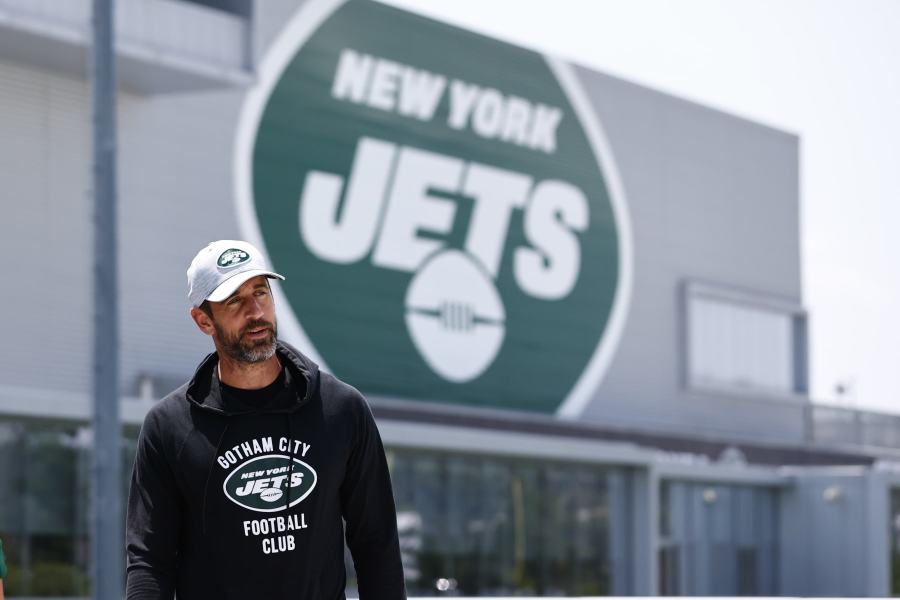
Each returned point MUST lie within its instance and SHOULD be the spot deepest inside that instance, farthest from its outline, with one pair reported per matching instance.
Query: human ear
(203, 321)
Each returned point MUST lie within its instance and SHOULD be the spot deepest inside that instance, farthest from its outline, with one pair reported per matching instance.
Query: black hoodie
(228, 502)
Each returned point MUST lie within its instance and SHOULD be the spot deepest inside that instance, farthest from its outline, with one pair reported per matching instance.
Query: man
(243, 475)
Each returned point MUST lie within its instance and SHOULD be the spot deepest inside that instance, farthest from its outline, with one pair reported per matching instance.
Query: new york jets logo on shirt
(444, 206)
(262, 483)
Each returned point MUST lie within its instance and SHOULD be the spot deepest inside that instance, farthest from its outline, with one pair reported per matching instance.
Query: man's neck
(248, 376)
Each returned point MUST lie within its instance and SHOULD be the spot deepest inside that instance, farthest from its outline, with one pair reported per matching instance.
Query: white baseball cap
(222, 267)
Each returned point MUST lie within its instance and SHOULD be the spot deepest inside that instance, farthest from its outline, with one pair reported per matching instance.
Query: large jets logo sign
(444, 207)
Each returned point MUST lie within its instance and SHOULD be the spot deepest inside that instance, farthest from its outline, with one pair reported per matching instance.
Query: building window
(741, 342)
(44, 507)
(487, 526)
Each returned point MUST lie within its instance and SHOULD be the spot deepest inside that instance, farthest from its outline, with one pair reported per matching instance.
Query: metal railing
(839, 426)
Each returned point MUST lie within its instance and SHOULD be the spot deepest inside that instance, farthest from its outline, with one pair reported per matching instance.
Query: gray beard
(251, 352)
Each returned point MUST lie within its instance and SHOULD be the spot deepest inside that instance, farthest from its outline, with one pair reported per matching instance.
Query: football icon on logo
(455, 316)
(271, 494)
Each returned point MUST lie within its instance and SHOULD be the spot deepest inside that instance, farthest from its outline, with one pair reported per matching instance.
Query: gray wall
(45, 175)
(713, 198)
(835, 545)
(715, 537)
(174, 196)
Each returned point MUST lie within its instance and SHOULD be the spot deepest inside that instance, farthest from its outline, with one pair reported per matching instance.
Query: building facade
(574, 303)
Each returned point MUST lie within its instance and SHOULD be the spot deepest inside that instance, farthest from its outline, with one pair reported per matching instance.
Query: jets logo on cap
(449, 210)
(232, 258)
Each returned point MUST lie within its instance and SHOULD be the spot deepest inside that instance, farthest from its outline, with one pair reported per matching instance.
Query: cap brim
(230, 285)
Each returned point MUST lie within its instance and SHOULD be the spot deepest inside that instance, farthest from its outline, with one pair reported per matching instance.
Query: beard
(248, 351)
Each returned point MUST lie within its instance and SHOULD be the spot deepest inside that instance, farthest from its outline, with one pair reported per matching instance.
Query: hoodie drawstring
(287, 505)
(209, 471)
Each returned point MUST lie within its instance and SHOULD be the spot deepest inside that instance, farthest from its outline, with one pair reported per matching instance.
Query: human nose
(254, 308)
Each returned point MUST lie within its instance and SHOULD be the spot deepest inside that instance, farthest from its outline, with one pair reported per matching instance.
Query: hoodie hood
(206, 396)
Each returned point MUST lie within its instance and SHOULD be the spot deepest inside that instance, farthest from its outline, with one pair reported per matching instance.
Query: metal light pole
(107, 538)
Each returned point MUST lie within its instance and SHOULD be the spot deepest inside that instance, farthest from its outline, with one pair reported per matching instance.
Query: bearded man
(249, 477)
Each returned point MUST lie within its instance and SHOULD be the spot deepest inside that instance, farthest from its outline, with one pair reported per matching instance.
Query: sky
(826, 70)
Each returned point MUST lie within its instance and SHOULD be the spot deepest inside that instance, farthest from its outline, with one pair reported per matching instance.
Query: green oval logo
(452, 197)
(262, 483)
(232, 258)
